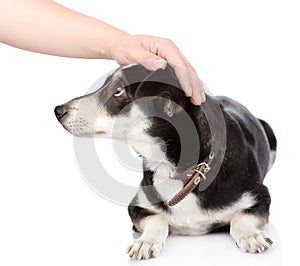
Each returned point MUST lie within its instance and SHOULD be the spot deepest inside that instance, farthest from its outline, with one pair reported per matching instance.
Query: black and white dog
(233, 193)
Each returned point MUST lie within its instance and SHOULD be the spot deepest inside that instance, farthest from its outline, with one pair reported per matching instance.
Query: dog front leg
(154, 229)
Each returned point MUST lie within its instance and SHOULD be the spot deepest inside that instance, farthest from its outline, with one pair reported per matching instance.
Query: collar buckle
(196, 175)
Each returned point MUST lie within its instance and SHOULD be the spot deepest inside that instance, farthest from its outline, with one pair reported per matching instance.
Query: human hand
(155, 53)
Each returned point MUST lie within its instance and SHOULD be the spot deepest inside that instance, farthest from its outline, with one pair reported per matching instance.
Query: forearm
(47, 27)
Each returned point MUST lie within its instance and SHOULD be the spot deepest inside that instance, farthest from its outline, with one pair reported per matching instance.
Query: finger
(198, 94)
(148, 60)
(184, 72)
(194, 102)
(184, 79)
(188, 64)
(172, 54)
(191, 84)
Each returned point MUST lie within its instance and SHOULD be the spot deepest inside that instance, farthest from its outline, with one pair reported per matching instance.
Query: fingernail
(159, 64)
(197, 101)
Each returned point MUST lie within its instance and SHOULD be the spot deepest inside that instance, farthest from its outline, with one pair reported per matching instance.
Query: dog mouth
(82, 131)
(100, 133)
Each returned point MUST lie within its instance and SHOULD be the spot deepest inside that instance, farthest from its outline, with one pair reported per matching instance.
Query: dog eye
(119, 91)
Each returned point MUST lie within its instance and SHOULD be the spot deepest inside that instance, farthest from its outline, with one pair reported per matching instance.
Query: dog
(226, 148)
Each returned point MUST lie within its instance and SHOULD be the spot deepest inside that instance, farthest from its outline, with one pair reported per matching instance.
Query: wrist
(114, 42)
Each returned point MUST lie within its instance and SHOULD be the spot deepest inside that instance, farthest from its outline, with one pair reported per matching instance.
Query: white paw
(254, 242)
(144, 249)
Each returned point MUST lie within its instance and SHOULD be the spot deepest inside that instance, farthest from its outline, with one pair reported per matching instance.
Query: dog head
(148, 110)
(123, 104)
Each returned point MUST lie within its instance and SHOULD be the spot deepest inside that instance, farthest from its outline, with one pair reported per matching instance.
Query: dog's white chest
(188, 218)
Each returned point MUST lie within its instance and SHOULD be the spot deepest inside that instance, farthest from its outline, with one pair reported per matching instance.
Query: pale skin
(47, 27)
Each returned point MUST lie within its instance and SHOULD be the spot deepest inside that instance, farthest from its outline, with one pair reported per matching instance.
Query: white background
(247, 50)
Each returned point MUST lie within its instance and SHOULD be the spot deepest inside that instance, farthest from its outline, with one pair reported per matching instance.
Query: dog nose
(60, 111)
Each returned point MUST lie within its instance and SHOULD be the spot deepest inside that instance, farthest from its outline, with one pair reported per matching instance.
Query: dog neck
(160, 145)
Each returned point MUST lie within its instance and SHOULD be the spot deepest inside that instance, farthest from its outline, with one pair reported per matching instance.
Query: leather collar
(195, 173)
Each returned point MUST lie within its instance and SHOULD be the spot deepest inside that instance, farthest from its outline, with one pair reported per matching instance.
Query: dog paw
(144, 249)
(255, 242)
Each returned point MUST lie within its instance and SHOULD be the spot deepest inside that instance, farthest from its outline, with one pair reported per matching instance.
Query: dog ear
(170, 107)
